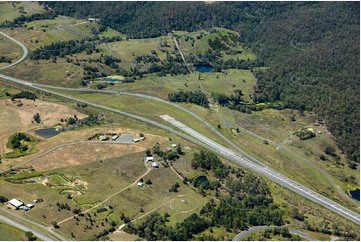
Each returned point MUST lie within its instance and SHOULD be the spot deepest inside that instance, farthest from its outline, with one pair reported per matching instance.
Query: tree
(37, 118)
(179, 149)
(55, 224)
(148, 152)
(148, 182)
(30, 236)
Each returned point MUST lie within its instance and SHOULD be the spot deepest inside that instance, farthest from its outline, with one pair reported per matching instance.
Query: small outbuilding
(149, 158)
(30, 205)
(140, 184)
(115, 137)
(16, 203)
(166, 150)
(155, 165)
(174, 145)
(25, 208)
(135, 140)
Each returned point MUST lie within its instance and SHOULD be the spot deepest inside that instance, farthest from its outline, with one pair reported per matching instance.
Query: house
(151, 158)
(166, 150)
(16, 203)
(140, 184)
(155, 165)
(174, 145)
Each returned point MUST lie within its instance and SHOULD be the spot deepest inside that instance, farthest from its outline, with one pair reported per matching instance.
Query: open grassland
(10, 10)
(44, 32)
(9, 50)
(127, 50)
(111, 33)
(223, 82)
(15, 119)
(10, 233)
(60, 73)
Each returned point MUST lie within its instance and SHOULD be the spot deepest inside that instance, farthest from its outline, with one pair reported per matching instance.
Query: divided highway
(210, 144)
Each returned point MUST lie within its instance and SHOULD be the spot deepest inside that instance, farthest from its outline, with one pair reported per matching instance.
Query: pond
(204, 68)
(355, 194)
(47, 133)
(201, 179)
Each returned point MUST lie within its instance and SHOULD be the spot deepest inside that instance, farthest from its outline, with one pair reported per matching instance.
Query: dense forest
(311, 49)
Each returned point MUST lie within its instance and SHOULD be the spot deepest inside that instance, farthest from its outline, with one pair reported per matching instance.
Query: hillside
(315, 45)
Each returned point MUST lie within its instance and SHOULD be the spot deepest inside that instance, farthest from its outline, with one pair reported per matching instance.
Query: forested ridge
(311, 49)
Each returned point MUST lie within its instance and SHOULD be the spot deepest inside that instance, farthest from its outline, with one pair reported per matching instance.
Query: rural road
(244, 233)
(209, 144)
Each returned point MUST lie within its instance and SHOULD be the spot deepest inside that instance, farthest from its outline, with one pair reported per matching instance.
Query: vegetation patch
(21, 144)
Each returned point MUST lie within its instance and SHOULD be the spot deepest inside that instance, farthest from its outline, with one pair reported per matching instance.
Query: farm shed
(15, 203)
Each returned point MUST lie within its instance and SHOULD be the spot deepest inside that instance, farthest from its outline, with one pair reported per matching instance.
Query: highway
(270, 173)
(24, 228)
(221, 150)
(24, 225)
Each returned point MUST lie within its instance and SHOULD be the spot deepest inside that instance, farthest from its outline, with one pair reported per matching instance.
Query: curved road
(210, 144)
(259, 228)
(25, 52)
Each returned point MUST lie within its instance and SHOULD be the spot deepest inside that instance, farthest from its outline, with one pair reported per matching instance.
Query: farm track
(114, 194)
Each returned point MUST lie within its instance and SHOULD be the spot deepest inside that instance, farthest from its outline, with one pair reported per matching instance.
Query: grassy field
(10, 10)
(9, 49)
(10, 233)
(224, 82)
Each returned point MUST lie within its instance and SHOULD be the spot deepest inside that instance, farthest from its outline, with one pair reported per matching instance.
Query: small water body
(355, 194)
(204, 68)
(47, 133)
(201, 179)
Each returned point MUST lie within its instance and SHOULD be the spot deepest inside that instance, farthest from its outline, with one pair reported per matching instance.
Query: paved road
(210, 144)
(55, 235)
(244, 233)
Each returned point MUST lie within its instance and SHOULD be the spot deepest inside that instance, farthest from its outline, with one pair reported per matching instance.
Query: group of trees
(17, 142)
(23, 94)
(5, 59)
(70, 47)
(196, 97)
